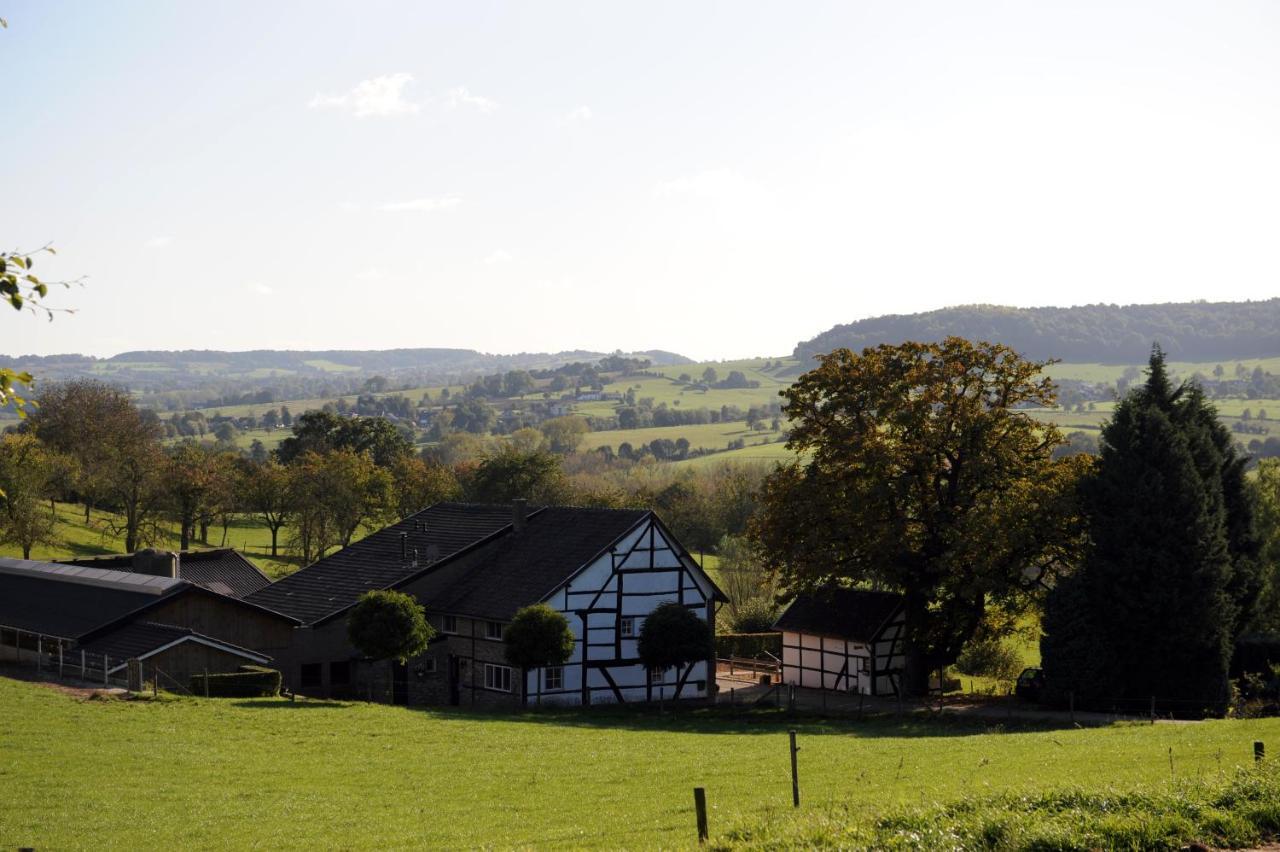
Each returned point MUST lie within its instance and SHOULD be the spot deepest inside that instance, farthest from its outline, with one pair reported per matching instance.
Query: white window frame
(627, 627)
(491, 627)
(496, 674)
(446, 621)
(657, 676)
(551, 673)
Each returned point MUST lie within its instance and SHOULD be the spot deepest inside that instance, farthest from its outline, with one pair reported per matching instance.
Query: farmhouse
(472, 567)
(170, 623)
(845, 640)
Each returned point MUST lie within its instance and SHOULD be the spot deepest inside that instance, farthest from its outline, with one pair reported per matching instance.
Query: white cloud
(716, 184)
(380, 96)
(499, 256)
(422, 205)
(158, 242)
(461, 96)
(578, 114)
(371, 273)
(262, 289)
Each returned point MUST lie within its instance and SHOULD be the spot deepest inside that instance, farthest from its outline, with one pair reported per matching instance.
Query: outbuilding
(844, 640)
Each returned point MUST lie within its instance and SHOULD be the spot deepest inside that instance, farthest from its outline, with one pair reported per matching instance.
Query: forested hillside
(1107, 334)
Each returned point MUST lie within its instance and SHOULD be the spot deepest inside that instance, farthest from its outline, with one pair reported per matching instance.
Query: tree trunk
(86, 511)
(26, 551)
(185, 536)
(274, 532)
(914, 681)
(204, 530)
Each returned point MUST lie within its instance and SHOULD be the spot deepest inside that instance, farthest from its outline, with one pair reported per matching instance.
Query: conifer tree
(1155, 606)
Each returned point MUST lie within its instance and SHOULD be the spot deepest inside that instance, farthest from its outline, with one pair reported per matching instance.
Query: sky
(716, 179)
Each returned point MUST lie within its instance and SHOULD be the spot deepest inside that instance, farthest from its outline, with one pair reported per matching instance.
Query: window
(553, 677)
(628, 627)
(656, 675)
(492, 630)
(340, 673)
(497, 677)
(312, 675)
(449, 624)
(428, 664)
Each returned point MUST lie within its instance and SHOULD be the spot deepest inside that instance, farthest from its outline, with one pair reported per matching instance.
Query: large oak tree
(920, 471)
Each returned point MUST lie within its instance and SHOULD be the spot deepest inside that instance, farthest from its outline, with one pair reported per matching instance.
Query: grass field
(75, 538)
(712, 436)
(267, 773)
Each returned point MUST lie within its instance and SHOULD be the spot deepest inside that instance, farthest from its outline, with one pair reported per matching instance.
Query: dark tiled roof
(139, 638)
(856, 614)
(57, 606)
(374, 562)
(222, 570)
(517, 569)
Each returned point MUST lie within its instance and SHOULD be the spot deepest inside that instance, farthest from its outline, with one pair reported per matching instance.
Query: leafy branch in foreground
(22, 288)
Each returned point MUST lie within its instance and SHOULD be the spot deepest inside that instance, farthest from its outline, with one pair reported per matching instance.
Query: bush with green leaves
(756, 615)
(989, 657)
(388, 625)
(672, 635)
(538, 636)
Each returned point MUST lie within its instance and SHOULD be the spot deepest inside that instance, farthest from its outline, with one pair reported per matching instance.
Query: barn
(56, 610)
(843, 640)
(473, 567)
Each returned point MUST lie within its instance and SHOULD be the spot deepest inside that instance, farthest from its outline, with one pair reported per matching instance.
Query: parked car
(1030, 683)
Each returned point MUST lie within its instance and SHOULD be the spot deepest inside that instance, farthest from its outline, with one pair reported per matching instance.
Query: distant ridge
(1108, 334)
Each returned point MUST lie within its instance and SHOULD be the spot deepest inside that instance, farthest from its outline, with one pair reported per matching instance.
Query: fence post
(1259, 751)
(700, 805)
(1071, 705)
(39, 653)
(1153, 709)
(795, 771)
(59, 659)
(83, 676)
(861, 697)
(106, 667)
(206, 683)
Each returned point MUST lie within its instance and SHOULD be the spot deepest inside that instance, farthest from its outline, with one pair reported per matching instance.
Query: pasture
(268, 773)
(74, 539)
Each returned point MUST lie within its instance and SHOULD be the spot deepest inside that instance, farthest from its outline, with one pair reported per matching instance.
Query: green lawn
(713, 436)
(231, 773)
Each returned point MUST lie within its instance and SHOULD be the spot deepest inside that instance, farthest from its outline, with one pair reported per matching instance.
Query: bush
(249, 682)
(673, 636)
(989, 658)
(754, 616)
(388, 625)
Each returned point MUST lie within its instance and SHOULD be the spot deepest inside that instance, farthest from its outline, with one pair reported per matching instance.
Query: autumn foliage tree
(919, 470)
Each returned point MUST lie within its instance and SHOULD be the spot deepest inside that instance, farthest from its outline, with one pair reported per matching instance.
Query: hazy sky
(715, 179)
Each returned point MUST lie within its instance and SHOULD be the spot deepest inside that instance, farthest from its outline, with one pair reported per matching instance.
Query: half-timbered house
(473, 567)
(844, 640)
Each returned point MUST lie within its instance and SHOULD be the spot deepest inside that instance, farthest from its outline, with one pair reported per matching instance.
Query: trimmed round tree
(672, 636)
(537, 637)
(389, 625)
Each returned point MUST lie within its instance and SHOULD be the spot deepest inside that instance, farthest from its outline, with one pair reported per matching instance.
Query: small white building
(844, 640)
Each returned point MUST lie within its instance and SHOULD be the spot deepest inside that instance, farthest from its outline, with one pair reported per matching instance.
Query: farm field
(265, 772)
(712, 436)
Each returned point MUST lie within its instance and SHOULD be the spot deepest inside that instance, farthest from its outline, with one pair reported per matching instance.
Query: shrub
(538, 636)
(989, 658)
(248, 682)
(389, 625)
(756, 615)
(674, 636)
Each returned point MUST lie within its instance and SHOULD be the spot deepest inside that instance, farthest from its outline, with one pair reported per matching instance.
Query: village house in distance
(472, 567)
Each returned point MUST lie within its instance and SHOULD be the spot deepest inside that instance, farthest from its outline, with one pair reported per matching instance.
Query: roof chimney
(404, 547)
(519, 509)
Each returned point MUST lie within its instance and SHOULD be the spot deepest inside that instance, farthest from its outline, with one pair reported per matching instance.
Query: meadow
(76, 539)
(312, 774)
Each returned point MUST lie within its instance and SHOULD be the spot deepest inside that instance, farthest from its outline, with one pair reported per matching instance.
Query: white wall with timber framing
(871, 667)
(645, 568)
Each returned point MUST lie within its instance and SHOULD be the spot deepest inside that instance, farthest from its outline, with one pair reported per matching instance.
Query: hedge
(248, 682)
(748, 644)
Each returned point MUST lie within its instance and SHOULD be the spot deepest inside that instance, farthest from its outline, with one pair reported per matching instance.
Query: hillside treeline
(1108, 334)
